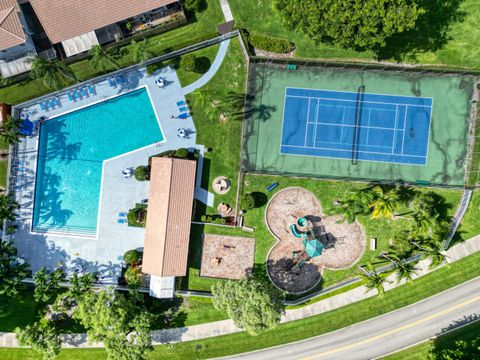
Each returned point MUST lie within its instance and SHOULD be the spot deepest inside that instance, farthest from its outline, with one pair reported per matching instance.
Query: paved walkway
(227, 13)
(225, 327)
(222, 51)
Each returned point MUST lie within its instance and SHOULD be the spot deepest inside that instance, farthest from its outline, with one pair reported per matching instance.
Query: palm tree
(385, 202)
(53, 73)
(423, 222)
(100, 59)
(405, 270)
(204, 100)
(431, 250)
(10, 129)
(141, 51)
(373, 280)
(7, 208)
(12, 269)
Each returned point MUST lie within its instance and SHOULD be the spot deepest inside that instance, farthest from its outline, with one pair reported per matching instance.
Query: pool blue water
(372, 127)
(72, 148)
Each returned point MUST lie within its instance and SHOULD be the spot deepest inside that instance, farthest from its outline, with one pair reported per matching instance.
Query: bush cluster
(267, 43)
(248, 201)
(142, 173)
(215, 219)
(181, 153)
(132, 256)
(137, 216)
(194, 5)
(189, 63)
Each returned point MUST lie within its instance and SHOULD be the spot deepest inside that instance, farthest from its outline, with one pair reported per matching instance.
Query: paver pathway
(224, 327)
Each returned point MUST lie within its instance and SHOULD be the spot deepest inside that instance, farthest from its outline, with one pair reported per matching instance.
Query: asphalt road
(386, 333)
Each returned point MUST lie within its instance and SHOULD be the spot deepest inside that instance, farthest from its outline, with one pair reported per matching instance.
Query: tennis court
(356, 125)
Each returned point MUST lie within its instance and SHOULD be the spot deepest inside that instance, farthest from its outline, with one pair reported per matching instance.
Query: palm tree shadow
(431, 32)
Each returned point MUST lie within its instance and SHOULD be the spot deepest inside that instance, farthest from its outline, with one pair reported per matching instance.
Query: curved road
(386, 333)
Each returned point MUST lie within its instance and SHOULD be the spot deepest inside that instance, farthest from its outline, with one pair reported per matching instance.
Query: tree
(423, 222)
(12, 269)
(119, 322)
(356, 203)
(189, 63)
(8, 206)
(384, 202)
(132, 256)
(373, 280)
(133, 277)
(141, 50)
(405, 270)
(252, 304)
(357, 24)
(248, 201)
(194, 5)
(100, 59)
(10, 129)
(47, 284)
(81, 284)
(53, 73)
(460, 350)
(431, 250)
(41, 337)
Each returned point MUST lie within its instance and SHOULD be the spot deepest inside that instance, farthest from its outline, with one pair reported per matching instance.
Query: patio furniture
(181, 133)
(122, 214)
(183, 116)
(56, 102)
(122, 221)
(91, 89)
(127, 172)
(77, 94)
(43, 106)
(160, 83)
(83, 92)
(112, 82)
(272, 186)
(183, 109)
(70, 96)
(181, 103)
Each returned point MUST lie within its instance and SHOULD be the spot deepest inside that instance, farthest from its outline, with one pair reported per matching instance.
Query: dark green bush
(248, 201)
(203, 218)
(132, 256)
(267, 43)
(137, 216)
(181, 153)
(142, 173)
(133, 277)
(220, 220)
(195, 5)
(188, 63)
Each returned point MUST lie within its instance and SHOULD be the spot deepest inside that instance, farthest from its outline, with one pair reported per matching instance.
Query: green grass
(327, 192)
(3, 173)
(18, 312)
(420, 351)
(204, 26)
(428, 285)
(204, 57)
(447, 35)
(470, 225)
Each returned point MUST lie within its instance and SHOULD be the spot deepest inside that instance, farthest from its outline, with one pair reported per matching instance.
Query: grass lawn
(447, 34)
(204, 26)
(419, 352)
(204, 59)
(327, 192)
(470, 225)
(428, 285)
(3, 173)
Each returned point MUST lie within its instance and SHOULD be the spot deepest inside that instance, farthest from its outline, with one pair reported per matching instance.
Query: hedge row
(267, 43)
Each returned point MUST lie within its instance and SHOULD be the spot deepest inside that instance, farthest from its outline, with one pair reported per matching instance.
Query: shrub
(194, 5)
(248, 201)
(188, 63)
(271, 44)
(182, 153)
(137, 216)
(142, 173)
(133, 277)
(203, 218)
(132, 256)
(220, 220)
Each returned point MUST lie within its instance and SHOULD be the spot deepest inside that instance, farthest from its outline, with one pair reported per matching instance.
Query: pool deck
(118, 194)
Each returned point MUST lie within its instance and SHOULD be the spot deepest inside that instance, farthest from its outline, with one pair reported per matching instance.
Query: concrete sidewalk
(225, 327)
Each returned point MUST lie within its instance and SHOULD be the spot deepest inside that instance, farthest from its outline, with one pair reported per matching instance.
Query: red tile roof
(11, 31)
(170, 203)
(65, 19)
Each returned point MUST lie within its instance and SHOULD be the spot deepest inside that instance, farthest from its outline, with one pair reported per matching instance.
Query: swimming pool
(71, 151)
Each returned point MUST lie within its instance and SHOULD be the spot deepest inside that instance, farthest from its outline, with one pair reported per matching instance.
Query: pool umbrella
(27, 127)
(313, 247)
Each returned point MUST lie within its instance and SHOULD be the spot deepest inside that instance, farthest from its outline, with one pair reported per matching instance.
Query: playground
(357, 124)
(227, 257)
(307, 240)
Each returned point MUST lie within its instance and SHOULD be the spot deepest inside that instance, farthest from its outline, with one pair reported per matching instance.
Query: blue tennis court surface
(356, 125)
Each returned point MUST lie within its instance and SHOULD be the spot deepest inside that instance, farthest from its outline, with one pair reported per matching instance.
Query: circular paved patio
(343, 243)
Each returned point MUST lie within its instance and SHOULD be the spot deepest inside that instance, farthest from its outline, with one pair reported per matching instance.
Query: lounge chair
(183, 109)
(184, 115)
(121, 221)
(122, 214)
(43, 106)
(111, 82)
(83, 91)
(181, 103)
(56, 102)
(91, 89)
(77, 94)
(70, 96)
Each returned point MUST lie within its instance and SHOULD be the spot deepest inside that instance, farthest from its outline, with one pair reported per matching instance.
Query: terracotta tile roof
(170, 203)
(11, 31)
(65, 19)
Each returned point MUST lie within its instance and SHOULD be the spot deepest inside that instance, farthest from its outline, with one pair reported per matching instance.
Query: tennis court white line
(341, 143)
(355, 92)
(316, 119)
(395, 129)
(306, 125)
(364, 102)
(359, 126)
(360, 152)
(404, 125)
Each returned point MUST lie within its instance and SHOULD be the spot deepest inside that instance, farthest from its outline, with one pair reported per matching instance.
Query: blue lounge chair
(43, 106)
(91, 89)
(70, 96)
(184, 115)
(122, 214)
(77, 94)
(48, 105)
(112, 82)
(272, 186)
(56, 102)
(181, 103)
(183, 109)
(84, 92)
(121, 221)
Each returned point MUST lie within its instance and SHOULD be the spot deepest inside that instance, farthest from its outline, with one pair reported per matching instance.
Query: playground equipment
(296, 232)
(312, 246)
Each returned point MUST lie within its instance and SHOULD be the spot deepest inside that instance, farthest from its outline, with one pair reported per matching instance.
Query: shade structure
(27, 127)
(313, 247)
